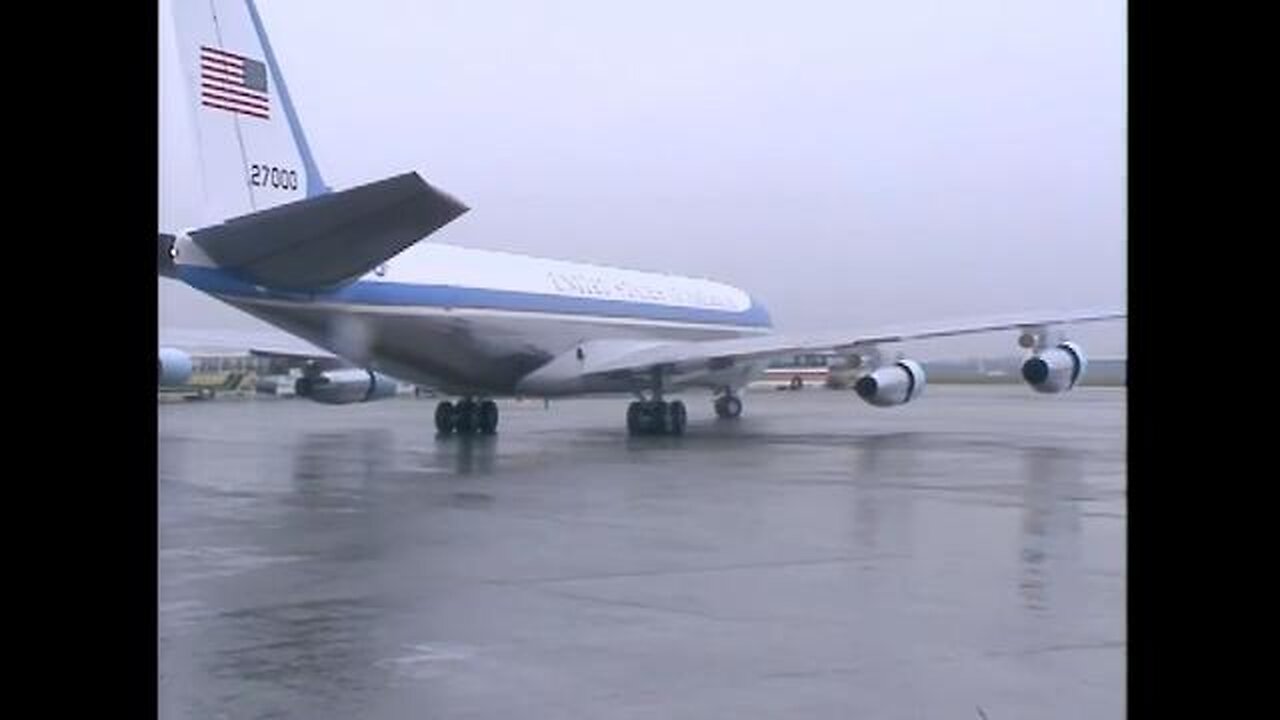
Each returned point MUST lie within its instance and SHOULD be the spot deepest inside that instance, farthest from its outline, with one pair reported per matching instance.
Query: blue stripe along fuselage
(222, 282)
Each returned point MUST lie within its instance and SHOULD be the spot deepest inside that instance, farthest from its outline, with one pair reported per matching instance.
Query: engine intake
(342, 387)
(174, 367)
(1055, 370)
(894, 384)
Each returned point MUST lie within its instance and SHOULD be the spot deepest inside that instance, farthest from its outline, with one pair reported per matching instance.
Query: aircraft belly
(460, 351)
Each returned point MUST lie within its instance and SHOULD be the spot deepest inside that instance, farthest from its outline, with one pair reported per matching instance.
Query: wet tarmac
(963, 557)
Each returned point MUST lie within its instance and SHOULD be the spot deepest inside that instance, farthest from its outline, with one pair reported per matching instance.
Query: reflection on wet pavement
(817, 558)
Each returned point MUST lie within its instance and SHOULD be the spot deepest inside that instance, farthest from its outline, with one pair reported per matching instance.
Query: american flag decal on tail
(234, 83)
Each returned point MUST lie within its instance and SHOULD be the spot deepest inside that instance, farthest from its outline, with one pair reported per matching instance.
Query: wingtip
(457, 206)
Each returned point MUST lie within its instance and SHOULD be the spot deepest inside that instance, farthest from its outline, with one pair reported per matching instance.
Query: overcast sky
(851, 164)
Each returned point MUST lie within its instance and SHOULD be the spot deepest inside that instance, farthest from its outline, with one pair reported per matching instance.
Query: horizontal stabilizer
(164, 254)
(330, 239)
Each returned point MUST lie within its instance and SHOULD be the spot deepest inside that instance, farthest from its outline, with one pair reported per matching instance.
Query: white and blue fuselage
(476, 322)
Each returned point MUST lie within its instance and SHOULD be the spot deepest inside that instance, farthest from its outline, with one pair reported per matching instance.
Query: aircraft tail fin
(269, 217)
(253, 154)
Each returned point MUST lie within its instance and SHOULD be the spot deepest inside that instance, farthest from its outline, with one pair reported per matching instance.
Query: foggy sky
(851, 164)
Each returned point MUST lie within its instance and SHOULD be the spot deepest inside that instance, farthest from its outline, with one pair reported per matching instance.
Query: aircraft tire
(465, 417)
(488, 417)
(635, 419)
(677, 418)
(445, 417)
(728, 406)
(658, 416)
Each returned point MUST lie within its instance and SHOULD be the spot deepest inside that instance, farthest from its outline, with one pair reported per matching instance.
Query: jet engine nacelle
(895, 384)
(1056, 369)
(340, 387)
(174, 366)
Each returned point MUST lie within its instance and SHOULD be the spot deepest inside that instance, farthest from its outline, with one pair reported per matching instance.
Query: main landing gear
(467, 417)
(656, 417)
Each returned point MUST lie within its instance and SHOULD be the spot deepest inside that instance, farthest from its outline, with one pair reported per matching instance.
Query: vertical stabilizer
(252, 151)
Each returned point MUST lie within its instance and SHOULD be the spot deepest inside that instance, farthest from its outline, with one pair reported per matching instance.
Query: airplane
(174, 368)
(346, 270)
(181, 380)
(199, 363)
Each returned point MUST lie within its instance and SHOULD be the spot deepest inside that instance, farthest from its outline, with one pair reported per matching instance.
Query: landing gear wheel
(728, 406)
(488, 417)
(677, 417)
(465, 419)
(658, 417)
(444, 418)
(635, 419)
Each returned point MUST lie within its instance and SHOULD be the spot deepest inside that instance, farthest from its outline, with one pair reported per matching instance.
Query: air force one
(345, 270)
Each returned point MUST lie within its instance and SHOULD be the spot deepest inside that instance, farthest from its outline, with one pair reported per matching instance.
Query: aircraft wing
(693, 356)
